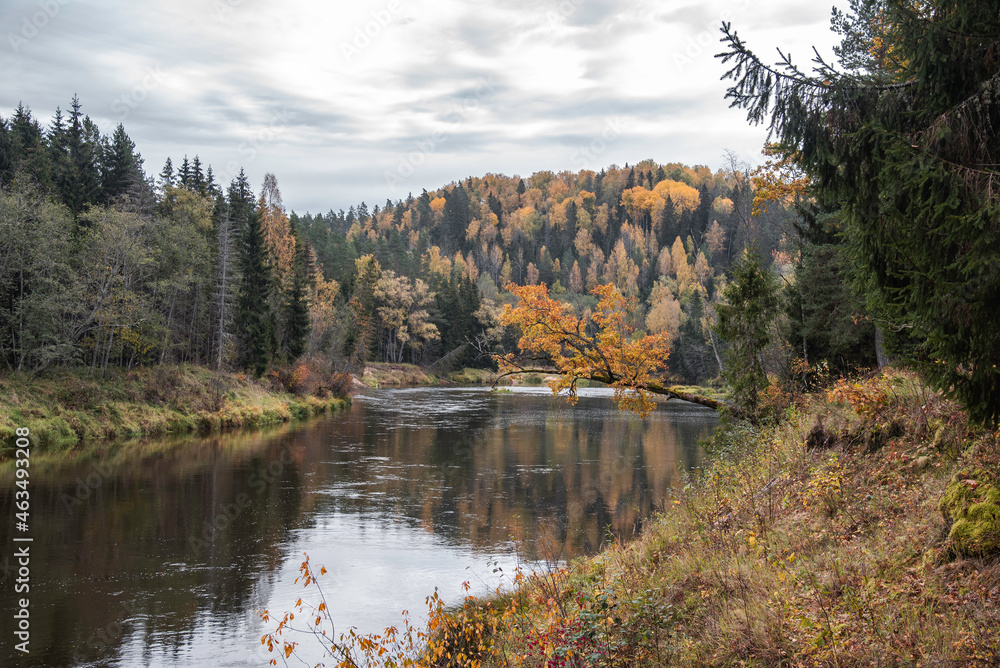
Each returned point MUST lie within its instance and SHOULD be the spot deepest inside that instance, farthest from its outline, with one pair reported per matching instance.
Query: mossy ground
(782, 555)
(66, 408)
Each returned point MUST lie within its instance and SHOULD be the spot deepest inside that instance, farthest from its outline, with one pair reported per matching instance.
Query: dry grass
(781, 555)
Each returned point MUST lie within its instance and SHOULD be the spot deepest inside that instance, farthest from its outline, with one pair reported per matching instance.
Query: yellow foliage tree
(779, 179)
(684, 197)
(601, 346)
(277, 231)
(664, 311)
(679, 264)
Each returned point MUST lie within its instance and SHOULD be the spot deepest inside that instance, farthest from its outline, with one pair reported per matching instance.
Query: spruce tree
(745, 323)
(296, 308)
(197, 177)
(252, 315)
(122, 167)
(79, 182)
(211, 187)
(908, 146)
(28, 152)
(6, 153)
(184, 176)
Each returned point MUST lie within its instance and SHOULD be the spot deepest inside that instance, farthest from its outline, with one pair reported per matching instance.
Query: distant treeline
(102, 265)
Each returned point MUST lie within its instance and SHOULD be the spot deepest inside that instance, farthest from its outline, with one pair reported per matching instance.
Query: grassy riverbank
(409, 375)
(65, 408)
(864, 529)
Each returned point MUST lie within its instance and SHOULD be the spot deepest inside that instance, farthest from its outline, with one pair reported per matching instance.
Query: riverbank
(378, 374)
(69, 407)
(864, 529)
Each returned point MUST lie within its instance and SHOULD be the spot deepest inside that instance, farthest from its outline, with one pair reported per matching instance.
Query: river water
(161, 555)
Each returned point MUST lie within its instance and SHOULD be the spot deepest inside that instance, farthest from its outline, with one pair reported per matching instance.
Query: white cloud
(330, 96)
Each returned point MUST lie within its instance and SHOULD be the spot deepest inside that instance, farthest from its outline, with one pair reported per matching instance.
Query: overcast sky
(372, 99)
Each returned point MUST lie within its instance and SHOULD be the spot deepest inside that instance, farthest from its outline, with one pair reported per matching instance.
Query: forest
(839, 295)
(104, 264)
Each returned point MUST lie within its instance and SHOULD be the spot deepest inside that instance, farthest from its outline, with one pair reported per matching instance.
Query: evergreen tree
(826, 320)
(28, 154)
(907, 146)
(211, 187)
(197, 177)
(456, 218)
(424, 215)
(252, 315)
(669, 227)
(122, 166)
(79, 181)
(296, 305)
(297, 315)
(745, 323)
(6, 153)
(495, 206)
(226, 274)
(56, 140)
(166, 175)
(184, 177)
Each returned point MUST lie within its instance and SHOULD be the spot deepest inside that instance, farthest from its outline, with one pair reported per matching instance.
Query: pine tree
(166, 175)
(908, 146)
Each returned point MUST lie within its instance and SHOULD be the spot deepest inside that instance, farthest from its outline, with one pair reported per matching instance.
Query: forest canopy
(142, 270)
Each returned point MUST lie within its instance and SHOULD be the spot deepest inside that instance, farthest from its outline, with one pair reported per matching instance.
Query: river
(160, 555)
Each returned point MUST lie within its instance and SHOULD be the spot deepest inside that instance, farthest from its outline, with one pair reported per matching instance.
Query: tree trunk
(701, 400)
(880, 356)
(655, 388)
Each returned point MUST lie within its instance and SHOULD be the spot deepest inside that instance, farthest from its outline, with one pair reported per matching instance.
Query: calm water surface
(160, 557)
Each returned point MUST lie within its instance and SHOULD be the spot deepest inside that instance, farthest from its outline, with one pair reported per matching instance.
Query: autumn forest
(106, 264)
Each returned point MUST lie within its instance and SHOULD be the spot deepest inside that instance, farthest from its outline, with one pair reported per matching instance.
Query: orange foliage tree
(600, 346)
(779, 179)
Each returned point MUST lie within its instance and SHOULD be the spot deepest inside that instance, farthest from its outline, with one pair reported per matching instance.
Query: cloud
(329, 96)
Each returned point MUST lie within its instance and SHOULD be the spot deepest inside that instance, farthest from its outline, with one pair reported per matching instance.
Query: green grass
(66, 408)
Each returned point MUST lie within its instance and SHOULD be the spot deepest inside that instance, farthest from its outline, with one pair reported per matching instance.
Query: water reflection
(161, 558)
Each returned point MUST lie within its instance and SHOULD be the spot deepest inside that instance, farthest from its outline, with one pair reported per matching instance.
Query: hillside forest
(104, 265)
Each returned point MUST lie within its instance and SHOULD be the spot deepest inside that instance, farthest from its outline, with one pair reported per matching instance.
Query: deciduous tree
(600, 346)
